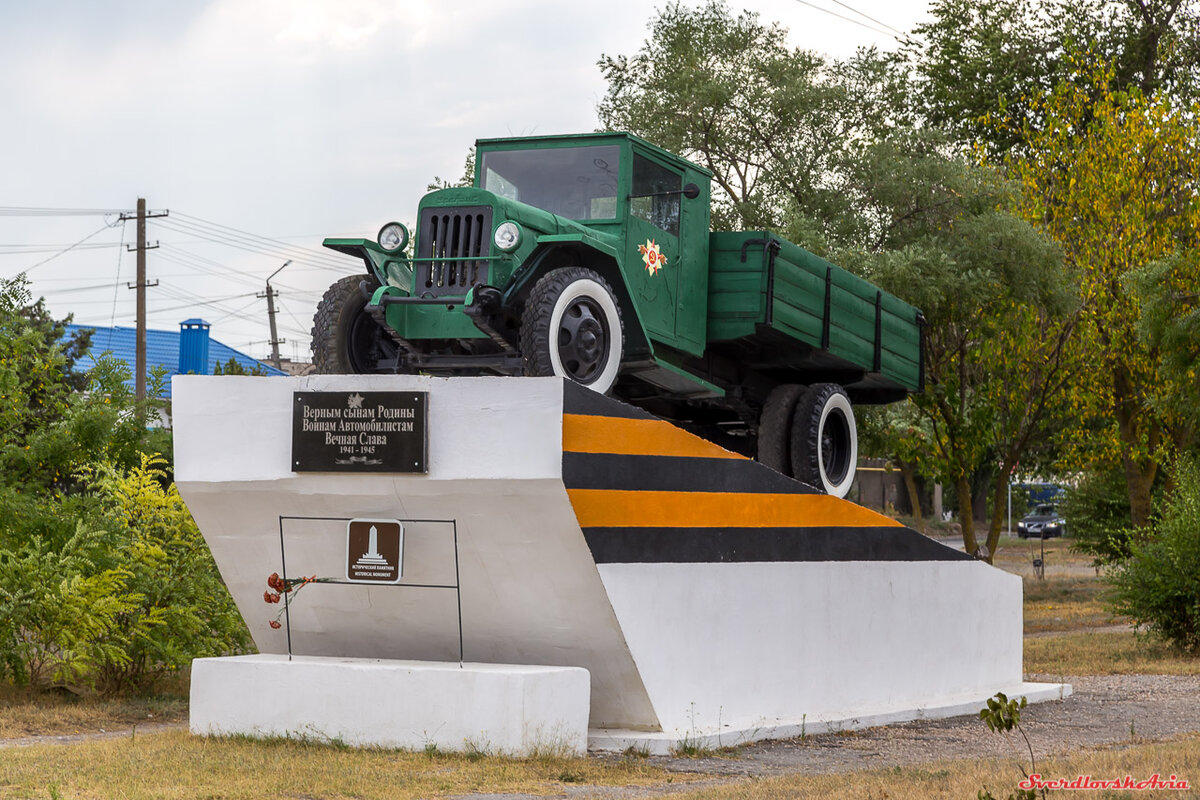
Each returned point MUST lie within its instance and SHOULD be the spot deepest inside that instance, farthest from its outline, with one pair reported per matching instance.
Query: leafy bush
(58, 608)
(122, 601)
(1158, 586)
(182, 609)
(1098, 518)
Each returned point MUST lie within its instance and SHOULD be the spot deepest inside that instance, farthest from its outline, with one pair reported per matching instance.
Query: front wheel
(571, 327)
(825, 440)
(346, 339)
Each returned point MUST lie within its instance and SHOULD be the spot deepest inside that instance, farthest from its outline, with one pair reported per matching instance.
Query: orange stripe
(635, 437)
(609, 508)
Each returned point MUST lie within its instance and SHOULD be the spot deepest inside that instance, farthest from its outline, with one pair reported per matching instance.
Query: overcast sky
(286, 120)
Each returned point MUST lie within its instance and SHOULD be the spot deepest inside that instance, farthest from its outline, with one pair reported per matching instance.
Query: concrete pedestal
(704, 594)
(492, 708)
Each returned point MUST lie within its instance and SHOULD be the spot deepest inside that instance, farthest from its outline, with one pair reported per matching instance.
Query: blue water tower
(193, 346)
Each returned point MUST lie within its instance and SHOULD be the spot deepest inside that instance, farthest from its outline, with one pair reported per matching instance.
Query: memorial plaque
(359, 431)
(374, 551)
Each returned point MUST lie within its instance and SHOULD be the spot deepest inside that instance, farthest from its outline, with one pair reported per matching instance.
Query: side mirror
(691, 191)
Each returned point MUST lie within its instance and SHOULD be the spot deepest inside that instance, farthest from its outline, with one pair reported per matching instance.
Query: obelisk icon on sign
(372, 555)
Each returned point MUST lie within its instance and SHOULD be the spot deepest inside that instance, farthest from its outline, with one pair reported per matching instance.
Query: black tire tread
(343, 297)
(806, 441)
(775, 427)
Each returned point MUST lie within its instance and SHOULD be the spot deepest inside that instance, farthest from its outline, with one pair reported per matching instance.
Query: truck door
(667, 252)
(652, 246)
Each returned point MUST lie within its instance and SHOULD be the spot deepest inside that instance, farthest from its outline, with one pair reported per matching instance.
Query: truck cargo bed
(811, 317)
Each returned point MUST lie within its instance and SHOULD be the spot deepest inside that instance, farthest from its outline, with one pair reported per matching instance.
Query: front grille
(447, 234)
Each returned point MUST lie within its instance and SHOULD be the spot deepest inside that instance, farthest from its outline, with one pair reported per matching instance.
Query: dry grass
(1067, 604)
(25, 714)
(177, 765)
(963, 779)
(1105, 653)
(1016, 555)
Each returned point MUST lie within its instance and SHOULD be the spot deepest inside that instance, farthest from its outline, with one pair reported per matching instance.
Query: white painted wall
(749, 645)
(530, 591)
(493, 708)
(680, 647)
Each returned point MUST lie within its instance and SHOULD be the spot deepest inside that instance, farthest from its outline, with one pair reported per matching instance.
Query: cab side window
(648, 201)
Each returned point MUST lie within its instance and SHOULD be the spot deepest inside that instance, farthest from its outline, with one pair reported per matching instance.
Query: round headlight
(393, 237)
(508, 236)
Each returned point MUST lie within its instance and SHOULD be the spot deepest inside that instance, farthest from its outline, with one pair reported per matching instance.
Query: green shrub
(58, 609)
(1097, 514)
(1158, 586)
(115, 603)
(182, 610)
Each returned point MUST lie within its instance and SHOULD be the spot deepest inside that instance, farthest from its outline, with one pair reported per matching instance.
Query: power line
(26, 211)
(34, 249)
(868, 16)
(847, 19)
(65, 250)
(238, 231)
(235, 237)
(117, 284)
(74, 289)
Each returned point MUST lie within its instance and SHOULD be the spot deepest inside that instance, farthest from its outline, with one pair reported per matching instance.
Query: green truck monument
(590, 257)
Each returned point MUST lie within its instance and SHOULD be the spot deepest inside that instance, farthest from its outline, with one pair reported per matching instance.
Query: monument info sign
(360, 431)
(374, 551)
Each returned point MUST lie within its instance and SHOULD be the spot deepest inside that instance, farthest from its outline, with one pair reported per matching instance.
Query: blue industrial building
(187, 350)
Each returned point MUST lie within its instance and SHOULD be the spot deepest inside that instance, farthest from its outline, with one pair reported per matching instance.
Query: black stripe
(674, 474)
(734, 545)
(580, 400)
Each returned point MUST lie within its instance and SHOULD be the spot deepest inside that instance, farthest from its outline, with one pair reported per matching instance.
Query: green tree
(232, 367)
(773, 123)
(1112, 177)
(466, 179)
(982, 60)
(991, 288)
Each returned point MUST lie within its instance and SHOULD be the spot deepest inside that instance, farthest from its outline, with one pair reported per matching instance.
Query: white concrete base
(664, 743)
(502, 709)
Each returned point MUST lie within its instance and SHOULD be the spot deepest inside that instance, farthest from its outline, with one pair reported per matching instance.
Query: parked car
(1044, 521)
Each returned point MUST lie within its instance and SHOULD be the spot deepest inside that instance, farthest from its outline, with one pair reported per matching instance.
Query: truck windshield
(573, 182)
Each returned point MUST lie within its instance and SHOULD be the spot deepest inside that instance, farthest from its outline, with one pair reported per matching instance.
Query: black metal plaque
(359, 431)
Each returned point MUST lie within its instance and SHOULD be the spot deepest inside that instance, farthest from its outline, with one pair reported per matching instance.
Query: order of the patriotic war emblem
(359, 431)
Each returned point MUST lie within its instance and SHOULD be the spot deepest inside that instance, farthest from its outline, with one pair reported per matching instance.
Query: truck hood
(535, 221)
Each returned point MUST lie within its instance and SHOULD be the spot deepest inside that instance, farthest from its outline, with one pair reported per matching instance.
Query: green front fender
(391, 269)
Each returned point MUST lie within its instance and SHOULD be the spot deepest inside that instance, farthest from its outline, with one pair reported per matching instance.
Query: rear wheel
(346, 339)
(571, 327)
(825, 439)
(775, 427)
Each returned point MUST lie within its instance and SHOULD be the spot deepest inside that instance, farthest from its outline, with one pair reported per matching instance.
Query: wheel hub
(583, 340)
(835, 447)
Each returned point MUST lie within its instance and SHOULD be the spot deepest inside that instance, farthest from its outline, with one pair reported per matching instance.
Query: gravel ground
(1103, 710)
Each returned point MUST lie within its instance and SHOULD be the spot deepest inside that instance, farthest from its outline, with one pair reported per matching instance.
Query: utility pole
(271, 295)
(140, 344)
